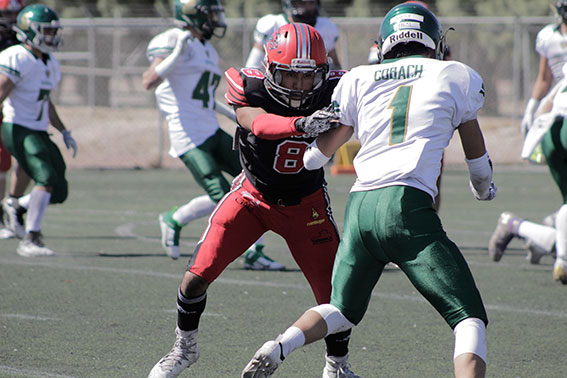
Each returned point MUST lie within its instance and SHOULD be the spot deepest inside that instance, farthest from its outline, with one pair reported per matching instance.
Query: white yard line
(30, 373)
(273, 284)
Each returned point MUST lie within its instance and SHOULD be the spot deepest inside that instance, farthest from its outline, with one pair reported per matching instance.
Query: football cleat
(550, 219)
(506, 229)
(255, 259)
(185, 352)
(32, 246)
(170, 231)
(6, 233)
(560, 271)
(265, 361)
(14, 216)
(337, 367)
(535, 252)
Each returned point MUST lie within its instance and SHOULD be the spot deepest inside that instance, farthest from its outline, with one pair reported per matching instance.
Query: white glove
(318, 122)
(529, 113)
(70, 142)
(168, 63)
(488, 195)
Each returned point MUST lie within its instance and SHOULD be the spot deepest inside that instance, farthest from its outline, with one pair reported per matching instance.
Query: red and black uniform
(274, 193)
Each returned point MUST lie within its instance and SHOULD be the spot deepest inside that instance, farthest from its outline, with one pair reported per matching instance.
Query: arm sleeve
(272, 126)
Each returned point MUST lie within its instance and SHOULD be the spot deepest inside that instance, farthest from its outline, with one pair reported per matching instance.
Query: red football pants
(242, 216)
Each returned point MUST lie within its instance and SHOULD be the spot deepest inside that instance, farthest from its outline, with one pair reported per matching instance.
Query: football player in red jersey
(278, 117)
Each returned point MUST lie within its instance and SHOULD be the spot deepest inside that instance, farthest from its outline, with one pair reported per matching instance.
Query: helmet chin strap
(440, 50)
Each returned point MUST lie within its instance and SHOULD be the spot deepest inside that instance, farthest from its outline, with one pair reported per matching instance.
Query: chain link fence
(117, 124)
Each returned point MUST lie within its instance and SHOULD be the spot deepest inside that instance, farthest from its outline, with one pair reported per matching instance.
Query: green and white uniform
(404, 112)
(26, 117)
(186, 97)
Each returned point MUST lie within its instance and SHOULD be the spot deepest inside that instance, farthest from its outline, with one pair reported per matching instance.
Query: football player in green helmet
(28, 74)
(38, 26)
(205, 16)
(404, 111)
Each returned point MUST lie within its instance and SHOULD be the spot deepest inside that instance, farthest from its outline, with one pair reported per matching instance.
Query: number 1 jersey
(404, 112)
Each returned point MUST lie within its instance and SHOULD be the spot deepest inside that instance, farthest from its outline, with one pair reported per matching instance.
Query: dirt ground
(135, 137)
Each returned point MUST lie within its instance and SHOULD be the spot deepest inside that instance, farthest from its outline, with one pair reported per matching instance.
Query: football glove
(529, 114)
(488, 195)
(318, 122)
(70, 142)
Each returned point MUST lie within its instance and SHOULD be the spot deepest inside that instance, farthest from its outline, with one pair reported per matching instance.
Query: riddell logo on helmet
(412, 35)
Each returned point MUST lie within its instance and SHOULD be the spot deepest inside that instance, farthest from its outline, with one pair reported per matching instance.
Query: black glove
(318, 122)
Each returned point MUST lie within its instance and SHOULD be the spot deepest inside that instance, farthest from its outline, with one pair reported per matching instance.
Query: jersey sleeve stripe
(9, 70)
(233, 101)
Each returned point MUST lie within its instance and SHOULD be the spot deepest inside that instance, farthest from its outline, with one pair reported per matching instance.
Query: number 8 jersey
(186, 97)
(274, 167)
(27, 104)
(404, 112)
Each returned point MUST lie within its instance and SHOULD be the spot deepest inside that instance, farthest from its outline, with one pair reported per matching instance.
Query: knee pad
(470, 337)
(59, 193)
(336, 321)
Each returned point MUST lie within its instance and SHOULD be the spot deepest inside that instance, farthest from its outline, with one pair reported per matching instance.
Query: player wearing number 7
(404, 111)
(28, 73)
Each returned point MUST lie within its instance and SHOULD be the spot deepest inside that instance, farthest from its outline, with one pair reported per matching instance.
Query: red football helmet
(299, 48)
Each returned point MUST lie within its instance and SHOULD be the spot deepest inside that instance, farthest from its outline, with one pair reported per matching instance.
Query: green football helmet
(410, 22)
(561, 8)
(38, 26)
(207, 16)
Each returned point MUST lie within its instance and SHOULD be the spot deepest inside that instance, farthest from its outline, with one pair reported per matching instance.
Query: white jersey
(267, 25)
(186, 96)
(404, 112)
(552, 45)
(28, 103)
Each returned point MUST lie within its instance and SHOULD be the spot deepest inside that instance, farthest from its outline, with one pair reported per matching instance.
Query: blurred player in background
(185, 73)
(304, 11)
(404, 111)
(274, 192)
(19, 181)
(549, 129)
(28, 74)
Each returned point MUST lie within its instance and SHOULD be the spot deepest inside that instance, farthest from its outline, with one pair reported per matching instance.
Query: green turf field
(105, 305)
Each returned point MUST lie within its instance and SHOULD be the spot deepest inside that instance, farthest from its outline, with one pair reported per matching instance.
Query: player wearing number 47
(28, 73)
(185, 73)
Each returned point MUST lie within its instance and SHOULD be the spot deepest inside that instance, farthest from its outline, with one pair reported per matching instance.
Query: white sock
(292, 339)
(196, 208)
(561, 233)
(24, 201)
(39, 199)
(541, 235)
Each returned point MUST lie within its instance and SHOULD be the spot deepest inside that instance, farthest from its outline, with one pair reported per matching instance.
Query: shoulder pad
(235, 94)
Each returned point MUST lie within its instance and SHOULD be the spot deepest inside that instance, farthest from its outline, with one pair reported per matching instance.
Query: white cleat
(265, 361)
(337, 367)
(185, 352)
(6, 233)
(170, 231)
(14, 216)
(506, 230)
(32, 246)
(560, 270)
(255, 259)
